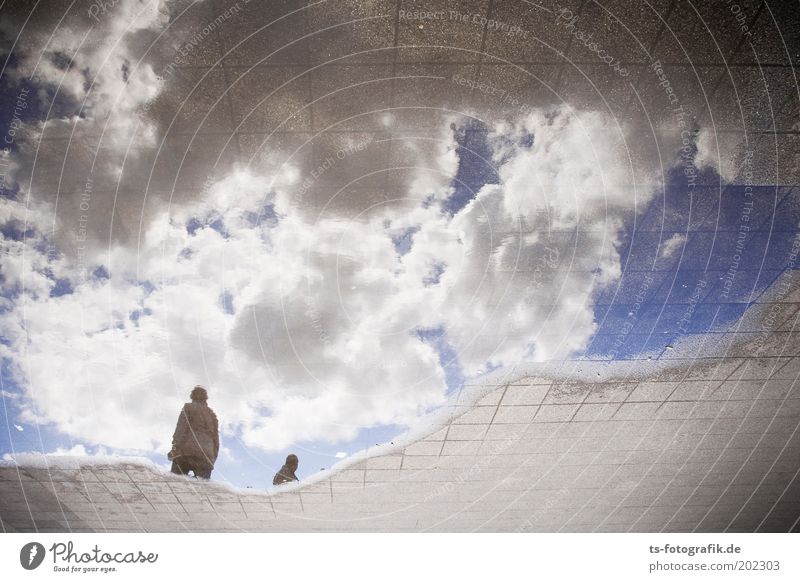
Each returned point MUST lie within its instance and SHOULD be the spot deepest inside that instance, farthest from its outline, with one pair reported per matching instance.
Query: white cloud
(530, 252)
(92, 78)
(719, 151)
(303, 324)
(672, 244)
(307, 329)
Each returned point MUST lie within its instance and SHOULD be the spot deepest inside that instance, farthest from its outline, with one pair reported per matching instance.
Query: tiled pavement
(308, 80)
(710, 444)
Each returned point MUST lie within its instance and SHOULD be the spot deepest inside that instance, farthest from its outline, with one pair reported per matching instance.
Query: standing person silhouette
(195, 444)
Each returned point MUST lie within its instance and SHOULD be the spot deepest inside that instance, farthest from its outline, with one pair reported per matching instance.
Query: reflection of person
(286, 473)
(195, 444)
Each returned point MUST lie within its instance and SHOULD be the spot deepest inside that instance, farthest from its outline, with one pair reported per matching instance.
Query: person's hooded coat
(197, 432)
